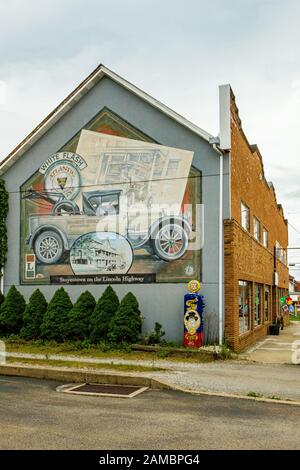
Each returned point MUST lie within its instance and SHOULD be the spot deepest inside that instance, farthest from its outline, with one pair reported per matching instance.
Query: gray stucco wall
(159, 302)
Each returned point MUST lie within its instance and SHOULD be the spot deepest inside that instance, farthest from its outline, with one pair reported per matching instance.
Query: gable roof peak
(76, 95)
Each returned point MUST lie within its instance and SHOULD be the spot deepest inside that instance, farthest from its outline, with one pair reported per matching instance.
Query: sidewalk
(236, 377)
(275, 349)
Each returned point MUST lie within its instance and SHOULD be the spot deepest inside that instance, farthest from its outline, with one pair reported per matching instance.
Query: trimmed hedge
(107, 320)
(103, 314)
(2, 298)
(126, 325)
(55, 321)
(11, 312)
(33, 316)
(80, 317)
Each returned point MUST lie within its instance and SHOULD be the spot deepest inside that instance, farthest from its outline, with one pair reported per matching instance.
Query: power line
(124, 182)
(296, 230)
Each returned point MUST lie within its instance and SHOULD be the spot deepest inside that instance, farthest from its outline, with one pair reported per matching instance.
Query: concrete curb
(62, 374)
(229, 395)
(82, 376)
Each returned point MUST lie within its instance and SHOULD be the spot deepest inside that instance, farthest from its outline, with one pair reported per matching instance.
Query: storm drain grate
(107, 390)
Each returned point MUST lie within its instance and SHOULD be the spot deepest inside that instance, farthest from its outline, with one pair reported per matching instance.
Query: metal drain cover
(106, 390)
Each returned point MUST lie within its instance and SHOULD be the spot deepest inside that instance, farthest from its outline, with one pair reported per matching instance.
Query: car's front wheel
(48, 247)
(170, 242)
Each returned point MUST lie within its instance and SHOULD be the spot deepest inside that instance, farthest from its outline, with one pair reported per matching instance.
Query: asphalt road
(34, 416)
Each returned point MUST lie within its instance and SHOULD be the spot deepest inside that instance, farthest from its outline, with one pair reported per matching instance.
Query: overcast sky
(179, 52)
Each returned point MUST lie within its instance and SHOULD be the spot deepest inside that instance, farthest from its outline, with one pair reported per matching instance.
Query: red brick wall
(248, 184)
(245, 258)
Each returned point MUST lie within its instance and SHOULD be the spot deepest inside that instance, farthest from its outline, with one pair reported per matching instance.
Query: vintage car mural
(52, 236)
(98, 185)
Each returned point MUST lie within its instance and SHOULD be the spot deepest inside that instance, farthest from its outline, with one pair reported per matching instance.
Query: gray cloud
(177, 51)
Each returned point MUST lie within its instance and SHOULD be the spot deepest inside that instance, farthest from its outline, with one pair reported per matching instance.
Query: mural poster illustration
(110, 208)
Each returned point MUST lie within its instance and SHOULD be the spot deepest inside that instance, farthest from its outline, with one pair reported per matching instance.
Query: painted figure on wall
(193, 316)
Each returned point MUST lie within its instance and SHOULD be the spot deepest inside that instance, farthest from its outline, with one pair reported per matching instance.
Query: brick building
(108, 139)
(255, 242)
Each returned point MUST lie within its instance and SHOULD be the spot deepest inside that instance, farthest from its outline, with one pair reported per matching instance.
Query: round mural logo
(194, 286)
(101, 253)
(62, 178)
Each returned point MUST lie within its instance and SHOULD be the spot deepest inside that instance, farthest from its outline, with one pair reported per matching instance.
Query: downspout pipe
(214, 142)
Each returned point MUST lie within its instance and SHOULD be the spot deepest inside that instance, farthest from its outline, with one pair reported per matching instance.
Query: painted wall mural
(111, 207)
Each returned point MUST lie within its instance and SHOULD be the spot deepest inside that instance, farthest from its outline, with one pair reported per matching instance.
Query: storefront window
(267, 304)
(244, 306)
(281, 293)
(257, 304)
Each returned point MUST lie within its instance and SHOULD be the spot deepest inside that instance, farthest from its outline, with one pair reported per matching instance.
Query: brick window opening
(245, 216)
(265, 238)
(256, 229)
(244, 306)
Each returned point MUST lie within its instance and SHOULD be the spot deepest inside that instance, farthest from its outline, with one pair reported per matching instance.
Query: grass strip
(83, 365)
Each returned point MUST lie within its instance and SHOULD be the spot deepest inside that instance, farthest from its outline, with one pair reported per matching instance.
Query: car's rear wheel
(170, 242)
(48, 247)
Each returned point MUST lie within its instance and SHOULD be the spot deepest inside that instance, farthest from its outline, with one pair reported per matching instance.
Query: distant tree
(105, 310)
(33, 316)
(55, 321)
(11, 312)
(80, 317)
(126, 325)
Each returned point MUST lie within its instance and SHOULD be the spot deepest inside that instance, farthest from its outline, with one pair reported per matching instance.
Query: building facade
(113, 187)
(255, 244)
